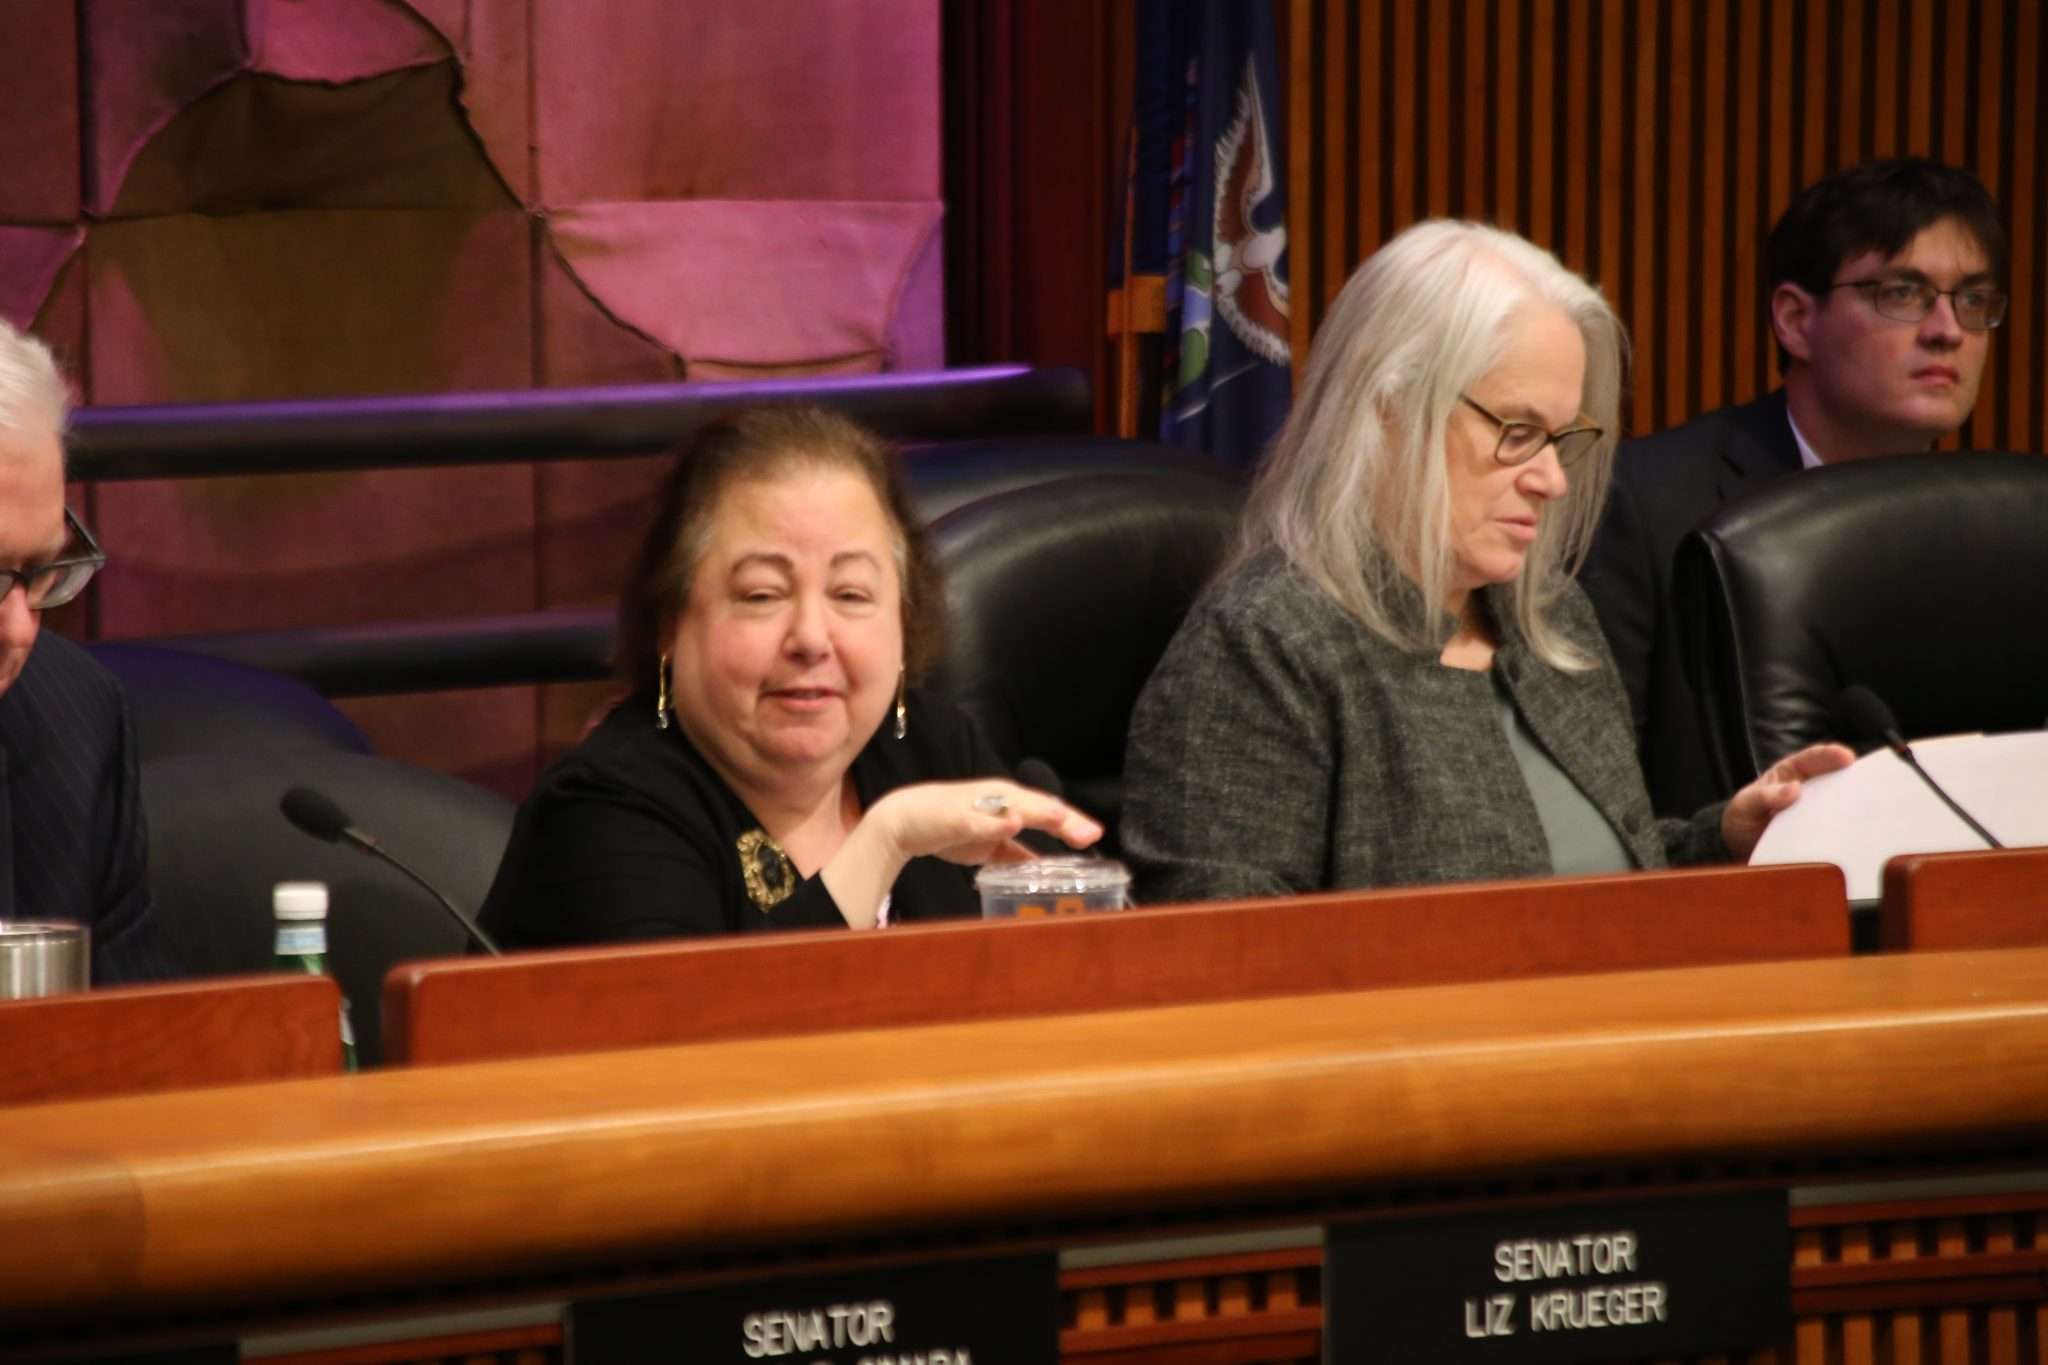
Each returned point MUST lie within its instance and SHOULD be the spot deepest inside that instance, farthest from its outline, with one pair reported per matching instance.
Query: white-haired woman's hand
(1744, 818)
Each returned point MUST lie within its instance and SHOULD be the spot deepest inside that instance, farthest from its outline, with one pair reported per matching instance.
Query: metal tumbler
(43, 957)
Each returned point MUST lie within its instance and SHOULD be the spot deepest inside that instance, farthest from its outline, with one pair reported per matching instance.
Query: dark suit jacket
(1664, 485)
(72, 840)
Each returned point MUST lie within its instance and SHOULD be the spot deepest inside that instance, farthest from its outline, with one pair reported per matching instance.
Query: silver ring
(995, 803)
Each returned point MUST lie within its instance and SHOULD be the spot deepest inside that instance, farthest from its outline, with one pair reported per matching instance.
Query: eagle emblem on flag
(1250, 292)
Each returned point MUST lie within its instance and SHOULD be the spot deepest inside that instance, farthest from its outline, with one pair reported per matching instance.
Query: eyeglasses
(1521, 442)
(55, 583)
(1978, 307)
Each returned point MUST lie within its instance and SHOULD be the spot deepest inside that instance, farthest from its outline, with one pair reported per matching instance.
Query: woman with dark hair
(772, 767)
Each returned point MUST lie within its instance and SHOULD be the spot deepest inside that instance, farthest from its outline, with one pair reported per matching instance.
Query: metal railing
(206, 440)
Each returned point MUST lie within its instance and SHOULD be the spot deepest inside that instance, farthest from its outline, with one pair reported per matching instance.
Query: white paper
(1877, 808)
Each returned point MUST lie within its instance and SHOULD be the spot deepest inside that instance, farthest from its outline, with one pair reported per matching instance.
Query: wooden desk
(176, 1036)
(757, 985)
(1993, 898)
(271, 1206)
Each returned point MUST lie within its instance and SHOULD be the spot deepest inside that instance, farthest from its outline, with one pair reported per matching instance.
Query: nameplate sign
(1616, 1281)
(1000, 1312)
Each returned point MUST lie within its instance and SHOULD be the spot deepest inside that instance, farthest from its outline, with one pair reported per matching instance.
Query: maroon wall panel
(285, 198)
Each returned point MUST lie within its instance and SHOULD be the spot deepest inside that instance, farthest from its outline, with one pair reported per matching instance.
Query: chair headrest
(948, 475)
(1064, 595)
(218, 844)
(185, 702)
(1921, 577)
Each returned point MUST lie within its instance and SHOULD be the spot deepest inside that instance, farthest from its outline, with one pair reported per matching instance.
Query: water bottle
(301, 912)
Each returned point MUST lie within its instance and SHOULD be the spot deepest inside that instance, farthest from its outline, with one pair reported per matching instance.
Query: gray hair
(32, 391)
(1356, 491)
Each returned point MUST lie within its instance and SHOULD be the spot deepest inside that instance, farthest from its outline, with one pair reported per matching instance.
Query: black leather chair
(557, 644)
(1921, 577)
(953, 473)
(188, 703)
(950, 474)
(1064, 594)
(218, 844)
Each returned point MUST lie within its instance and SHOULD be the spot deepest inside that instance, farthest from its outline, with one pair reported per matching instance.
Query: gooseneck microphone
(1038, 775)
(317, 815)
(1867, 716)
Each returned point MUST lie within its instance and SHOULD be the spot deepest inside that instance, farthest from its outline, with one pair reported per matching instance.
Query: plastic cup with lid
(1052, 886)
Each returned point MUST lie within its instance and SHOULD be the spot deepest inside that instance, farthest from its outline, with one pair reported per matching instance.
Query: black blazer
(72, 840)
(1664, 485)
(632, 835)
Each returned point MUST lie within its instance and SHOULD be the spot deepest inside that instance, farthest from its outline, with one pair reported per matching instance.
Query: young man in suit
(1885, 282)
(72, 841)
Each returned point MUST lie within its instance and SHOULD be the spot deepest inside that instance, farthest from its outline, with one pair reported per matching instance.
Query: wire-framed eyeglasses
(62, 579)
(1521, 442)
(1978, 307)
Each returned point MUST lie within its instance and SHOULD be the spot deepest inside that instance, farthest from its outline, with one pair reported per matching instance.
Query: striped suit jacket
(73, 844)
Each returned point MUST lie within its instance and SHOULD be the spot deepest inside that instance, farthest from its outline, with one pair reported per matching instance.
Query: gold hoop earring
(661, 694)
(902, 716)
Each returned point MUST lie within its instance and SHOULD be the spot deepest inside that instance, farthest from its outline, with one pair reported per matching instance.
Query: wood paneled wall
(1652, 143)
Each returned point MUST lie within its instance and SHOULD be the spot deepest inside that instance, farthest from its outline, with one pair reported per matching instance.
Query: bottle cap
(299, 900)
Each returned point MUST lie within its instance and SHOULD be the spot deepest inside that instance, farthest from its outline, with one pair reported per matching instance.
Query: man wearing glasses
(1885, 282)
(72, 843)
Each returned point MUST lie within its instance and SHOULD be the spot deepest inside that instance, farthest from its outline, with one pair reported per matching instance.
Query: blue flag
(1208, 98)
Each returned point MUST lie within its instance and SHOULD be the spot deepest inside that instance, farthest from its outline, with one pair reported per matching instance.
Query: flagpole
(1121, 319)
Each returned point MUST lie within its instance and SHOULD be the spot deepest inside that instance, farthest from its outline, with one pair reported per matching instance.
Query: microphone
(1866, 715)
(1038, 775)
(316, 814)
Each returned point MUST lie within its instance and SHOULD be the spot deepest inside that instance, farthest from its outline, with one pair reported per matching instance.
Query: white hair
(32, 391)
(1356, 490)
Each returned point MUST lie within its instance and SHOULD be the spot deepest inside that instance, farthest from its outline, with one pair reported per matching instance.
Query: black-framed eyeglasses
(1521, 442)
(1978, 307)
(57, 582)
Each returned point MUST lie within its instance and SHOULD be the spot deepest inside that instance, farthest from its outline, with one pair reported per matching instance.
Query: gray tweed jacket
(1281, 747)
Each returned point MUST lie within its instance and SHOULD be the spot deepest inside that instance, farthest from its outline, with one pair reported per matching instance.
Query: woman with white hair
(1396, 679)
